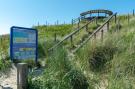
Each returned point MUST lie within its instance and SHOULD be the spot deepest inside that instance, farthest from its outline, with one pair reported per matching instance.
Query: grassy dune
(108, 65)
(102, 65)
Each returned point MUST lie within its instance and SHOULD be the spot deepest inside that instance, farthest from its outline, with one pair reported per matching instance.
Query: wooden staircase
(97, 34)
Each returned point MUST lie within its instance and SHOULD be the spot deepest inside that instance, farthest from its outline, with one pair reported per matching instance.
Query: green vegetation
(50, 31)
(4, 64)
(107, 64)
(59, 74)
(4, 55)
(111, 63)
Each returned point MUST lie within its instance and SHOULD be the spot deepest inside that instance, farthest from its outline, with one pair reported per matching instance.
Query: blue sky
(27, 13)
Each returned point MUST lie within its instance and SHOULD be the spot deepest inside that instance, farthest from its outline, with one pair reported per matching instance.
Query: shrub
(100, 56)
(77, 80)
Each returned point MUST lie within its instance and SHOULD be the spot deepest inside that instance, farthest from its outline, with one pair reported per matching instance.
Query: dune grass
(109, 64)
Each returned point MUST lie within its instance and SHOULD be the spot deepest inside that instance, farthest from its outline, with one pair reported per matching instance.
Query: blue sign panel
(23, 43)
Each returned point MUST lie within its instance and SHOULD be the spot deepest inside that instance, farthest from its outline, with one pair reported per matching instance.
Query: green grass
(49, 31)
(109, 64)
(59, 74)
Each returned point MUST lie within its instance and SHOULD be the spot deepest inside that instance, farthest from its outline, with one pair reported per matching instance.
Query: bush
(77, 80)
(5, 64)
(100, 56)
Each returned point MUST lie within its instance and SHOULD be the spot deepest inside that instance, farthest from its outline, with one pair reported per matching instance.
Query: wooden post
(71, 39)
(128, 18)
(22, 76)
(72, 22)
(55, 37)
(86, 28)
(94, 43)
(98, 13)
(102, 35)
(79, 19)
(115, 18)
(96, 21)
(133, 12)
(108, 26)
(95, 36)
(78, 25)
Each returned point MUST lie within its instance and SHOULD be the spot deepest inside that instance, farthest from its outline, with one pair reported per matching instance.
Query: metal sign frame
(12, 44)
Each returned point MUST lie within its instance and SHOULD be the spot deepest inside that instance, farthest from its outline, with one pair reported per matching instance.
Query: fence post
(95, 36)
(78, 25)
(55, 37)
(79, 19)
(71, 39)
(86, 28)
(108, 26)
(72, 21)
(128, 18)
(133, 12)
(22, 76)
(96, 21)
(115, 18)
(102, 35)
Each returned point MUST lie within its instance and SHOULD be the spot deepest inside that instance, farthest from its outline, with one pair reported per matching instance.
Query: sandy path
(9, 79)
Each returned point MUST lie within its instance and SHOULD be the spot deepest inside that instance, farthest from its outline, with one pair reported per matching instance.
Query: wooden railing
(96, 31)
(73, 33)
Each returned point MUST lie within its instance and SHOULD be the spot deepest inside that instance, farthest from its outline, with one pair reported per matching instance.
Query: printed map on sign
(24, 44)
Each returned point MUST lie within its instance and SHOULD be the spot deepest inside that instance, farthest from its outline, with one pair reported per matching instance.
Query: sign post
(23, 44)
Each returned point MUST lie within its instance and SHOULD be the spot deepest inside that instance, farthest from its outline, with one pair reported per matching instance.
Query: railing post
(96, 21)
(86, 27)
(102, 35)
(78, 25)
(79, 20)
(72, 22)
(22, 76)
(115, 18)
(71, 39)
(108, 26)
(94, 39)
(55, 37)
(95, 36)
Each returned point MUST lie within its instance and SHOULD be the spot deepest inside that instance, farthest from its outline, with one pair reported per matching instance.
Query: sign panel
(23, 43)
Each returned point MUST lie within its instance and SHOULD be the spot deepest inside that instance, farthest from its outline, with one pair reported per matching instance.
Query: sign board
(23, 43)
